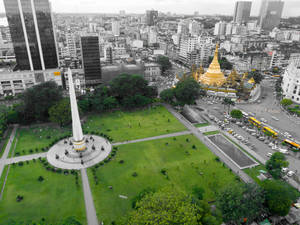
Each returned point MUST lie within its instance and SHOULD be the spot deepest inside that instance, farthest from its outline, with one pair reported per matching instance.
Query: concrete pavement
(91, 214)
(153, 138)
(25, 158)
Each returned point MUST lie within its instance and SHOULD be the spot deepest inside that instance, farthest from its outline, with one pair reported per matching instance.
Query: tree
(167, 95)
(169, 206)
(237, 114)
(239, 202)
(286, 102)
(279, 196)
(257, 76)
(71, 221)
(125, 87)
(164, 63)
(61, 112)
(275, 164)
(187, 91)
(228, 102)
(38, 100)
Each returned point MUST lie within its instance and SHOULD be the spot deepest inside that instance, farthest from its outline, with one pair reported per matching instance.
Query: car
(290, 173)
(284, 170)
(275, 118)
(261, 138)
(269, 154)
(253, 134)
(271, 144)
(264, 120)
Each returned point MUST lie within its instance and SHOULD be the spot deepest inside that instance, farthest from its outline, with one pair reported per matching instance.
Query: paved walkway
(195, 131)
(6, 151)
(91, 214)
(25, 158)
(153, 138)
(208, 129)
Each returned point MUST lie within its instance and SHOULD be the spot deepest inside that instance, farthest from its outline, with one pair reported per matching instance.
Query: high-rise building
(151, 17)
(242, 11)
(115, 27)
(71, 44)
(31, 28)
(220, 28)
(270, 14)
(91, 60)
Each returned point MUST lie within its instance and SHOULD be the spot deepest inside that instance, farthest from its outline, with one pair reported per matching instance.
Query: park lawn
(186, 167)
(54, 199)
(5, 141)
(32, 140)
(123, 126)
(254, 172)
(211, 132)
(201, 125)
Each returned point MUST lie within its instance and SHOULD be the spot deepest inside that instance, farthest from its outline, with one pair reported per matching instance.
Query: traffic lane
(263, 149)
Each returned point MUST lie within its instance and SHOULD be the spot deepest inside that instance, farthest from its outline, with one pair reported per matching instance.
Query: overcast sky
(292, 7)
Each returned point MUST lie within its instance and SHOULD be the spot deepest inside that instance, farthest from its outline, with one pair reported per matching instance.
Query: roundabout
(63, 155)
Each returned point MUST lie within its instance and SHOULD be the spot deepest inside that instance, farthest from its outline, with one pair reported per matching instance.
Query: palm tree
(228, 102)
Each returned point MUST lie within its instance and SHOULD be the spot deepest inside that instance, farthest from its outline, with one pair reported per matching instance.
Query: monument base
(63, 154)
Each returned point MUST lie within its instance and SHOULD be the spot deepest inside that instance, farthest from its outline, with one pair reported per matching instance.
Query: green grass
(122, 126)
(186, 167)
(54, 199)
(5, 140)
(254, 172)
(32, 140)
(212, 132)
(201, 124)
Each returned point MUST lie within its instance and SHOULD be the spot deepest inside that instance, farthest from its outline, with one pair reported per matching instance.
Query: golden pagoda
(232, 79)
(214, 75)
(251, 81)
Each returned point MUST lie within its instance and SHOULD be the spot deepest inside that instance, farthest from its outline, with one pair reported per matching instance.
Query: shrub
(217, 159)
(20, 163)
(134, 174)
(163, 171)
(19, 198)
(194, 147)
(40, 179)
(121, 161)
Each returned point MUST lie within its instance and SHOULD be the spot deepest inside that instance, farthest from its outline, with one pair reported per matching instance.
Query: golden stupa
(214, 75)
(232, 79)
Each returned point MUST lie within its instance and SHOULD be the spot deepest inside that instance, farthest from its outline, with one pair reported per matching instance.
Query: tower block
(78, 138)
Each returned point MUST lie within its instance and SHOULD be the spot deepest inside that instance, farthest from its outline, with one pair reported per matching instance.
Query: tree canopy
(167, 95)
(187, 91)
(164, 63)
(257, 76)
(38, 100)
(239, 202)
(132, 90)
(279, 196)
(236, 113)
(169, 206)
(61, 112)
(275, 164)
(286, 102)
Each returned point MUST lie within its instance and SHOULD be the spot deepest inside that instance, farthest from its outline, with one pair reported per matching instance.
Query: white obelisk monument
(78, 138)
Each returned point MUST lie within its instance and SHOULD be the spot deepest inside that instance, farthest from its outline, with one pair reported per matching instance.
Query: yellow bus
(255, 122)
(292, 144)
(269, 131)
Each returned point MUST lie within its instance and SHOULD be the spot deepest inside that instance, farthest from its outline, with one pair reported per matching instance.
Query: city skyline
(206, 7)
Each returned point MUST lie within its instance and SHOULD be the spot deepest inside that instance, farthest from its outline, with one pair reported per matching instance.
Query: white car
(269, 154)
(284, 170)
(275, 118)
(283, 151)
(290, 173)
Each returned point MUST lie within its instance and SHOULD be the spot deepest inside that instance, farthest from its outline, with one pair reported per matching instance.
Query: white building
(291, 83)
(220, 28)
(152, 72)
(152, 37)
(137, 44)
(115, 27)
(187, 45)
(12, 83)
(295, 58)
(71, 44)
(194, 27)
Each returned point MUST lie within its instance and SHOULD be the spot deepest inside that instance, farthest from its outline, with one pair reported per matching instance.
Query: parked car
(269, 154)
(284, 170)
(290, 173)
